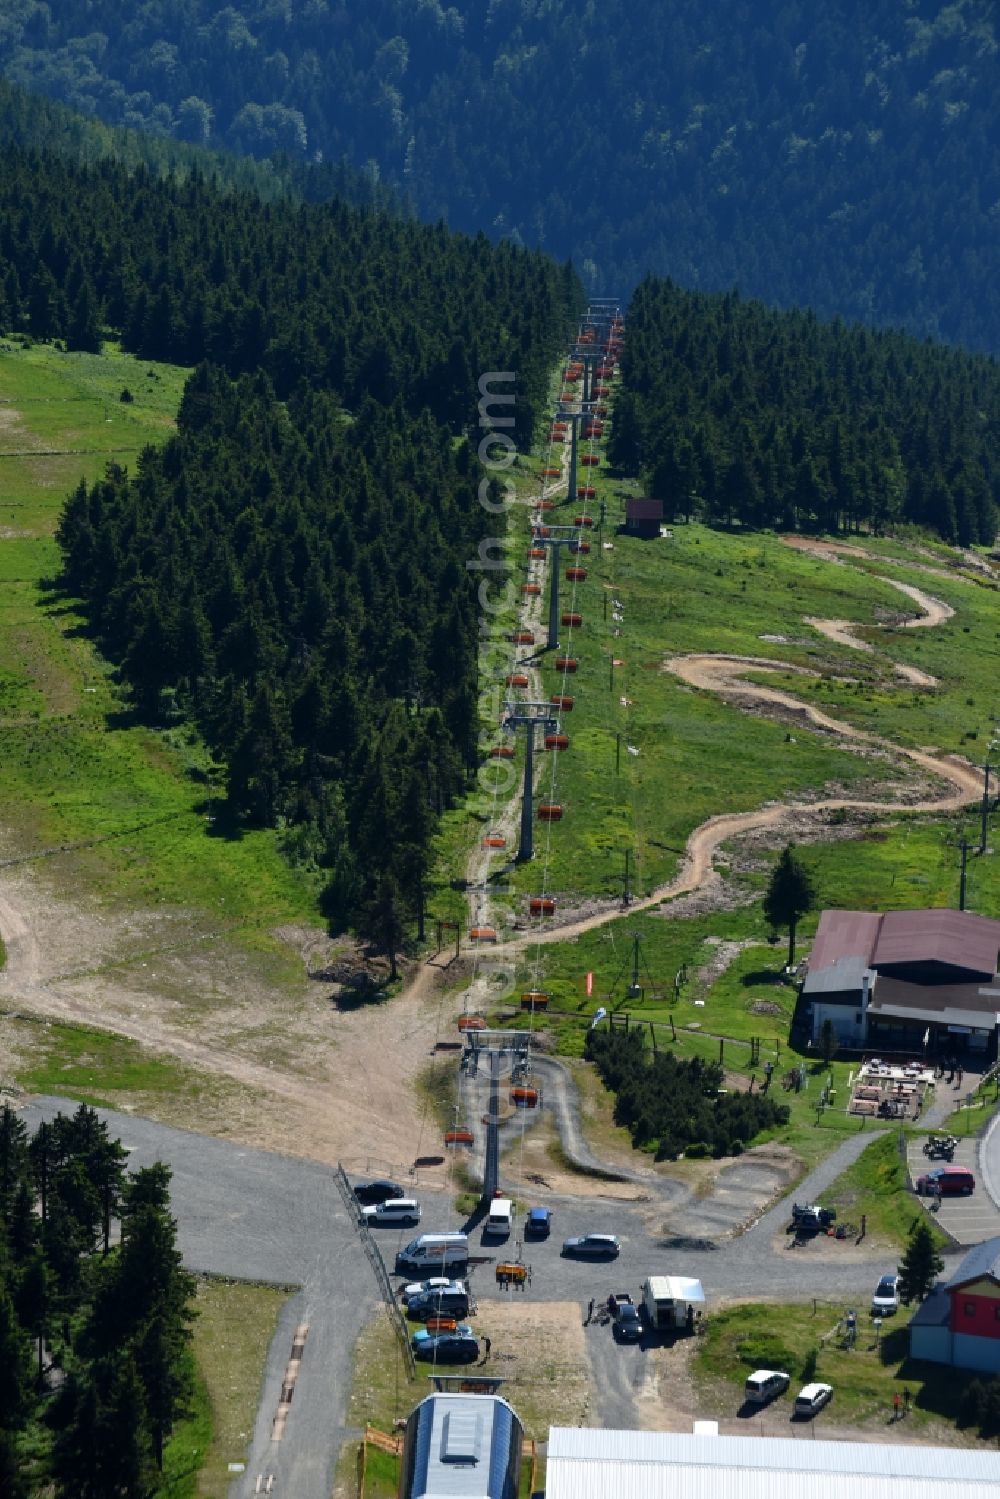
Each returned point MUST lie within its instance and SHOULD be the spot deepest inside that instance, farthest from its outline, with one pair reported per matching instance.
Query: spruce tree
(102, 1449)
(84, 329)
(15, 1365)
(13, 1157)
(921, 1264)
(12, 1484)
(790, 894)
(34, 1303)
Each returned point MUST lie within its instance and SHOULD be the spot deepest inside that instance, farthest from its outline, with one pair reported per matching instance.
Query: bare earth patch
(309, 1078)
(534, 1166)
(540, 1347)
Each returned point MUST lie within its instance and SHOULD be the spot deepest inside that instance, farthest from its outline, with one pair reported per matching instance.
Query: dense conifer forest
(841, 156)
(95, 1364)
(296, 584)
(670, 1105)
(356, 301)
(289, 572)
(34, 122)
(733, 412)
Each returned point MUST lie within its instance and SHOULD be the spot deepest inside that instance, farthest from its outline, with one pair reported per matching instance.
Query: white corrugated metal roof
(594, 1464)
(685, 1288)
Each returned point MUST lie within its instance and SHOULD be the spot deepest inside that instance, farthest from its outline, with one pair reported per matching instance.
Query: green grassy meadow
(876, 1187)
(128, 809)
(122, 816)
(702, 590)
(769, 1335)
(706, 591)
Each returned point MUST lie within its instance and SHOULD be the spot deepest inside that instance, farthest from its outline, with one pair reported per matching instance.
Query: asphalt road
(260, 1216)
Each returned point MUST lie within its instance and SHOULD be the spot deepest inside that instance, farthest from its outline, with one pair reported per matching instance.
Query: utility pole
(524, 718)
(588, 358)
(569, 538)
(985, 829)
(575, 417)
(635, 988)
(964, 846)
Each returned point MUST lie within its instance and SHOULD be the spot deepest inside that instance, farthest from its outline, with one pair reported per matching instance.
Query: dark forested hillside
(354, 301)
(296, 583)
(95, 1363)
(290, 570)
(34, 122)
(840, 156)
(733, 411)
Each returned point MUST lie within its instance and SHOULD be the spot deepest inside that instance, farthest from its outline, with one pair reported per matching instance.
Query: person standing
(590, 1311)
(895, 1405)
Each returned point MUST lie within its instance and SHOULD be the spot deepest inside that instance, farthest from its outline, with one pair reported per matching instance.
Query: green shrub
(676, 1106)
(762, 1350)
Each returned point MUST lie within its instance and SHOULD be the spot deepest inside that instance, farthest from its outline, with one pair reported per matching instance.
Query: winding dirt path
(726, 675)
(722, 674)
(843, 631)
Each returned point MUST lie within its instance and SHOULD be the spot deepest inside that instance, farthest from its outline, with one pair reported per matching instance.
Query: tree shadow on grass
(774, 977)
(221, 820)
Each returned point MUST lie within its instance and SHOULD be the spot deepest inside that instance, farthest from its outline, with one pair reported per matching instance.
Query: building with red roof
(643, 517)
(904, 980)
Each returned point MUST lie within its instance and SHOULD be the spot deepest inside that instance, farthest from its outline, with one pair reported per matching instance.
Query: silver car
(886, 1298)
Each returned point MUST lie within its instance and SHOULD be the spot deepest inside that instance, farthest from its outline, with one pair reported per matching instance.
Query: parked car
(627, 1326)
(953, 1181)
(451, 1301)
(810, 1399)
(462, 1330)
(435, 1283)
(886, 1298)
(593, 1247)
(399, 1210)
(764, 1384)
(538, 1223)
(617, 1300)
(446, 1347)
(369, 1192)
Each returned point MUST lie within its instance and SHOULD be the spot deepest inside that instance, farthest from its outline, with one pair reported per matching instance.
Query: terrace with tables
(890, 1090)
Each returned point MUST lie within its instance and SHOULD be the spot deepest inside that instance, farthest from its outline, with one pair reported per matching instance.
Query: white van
(434, 1252)
(764, 1384)
(500, 1219)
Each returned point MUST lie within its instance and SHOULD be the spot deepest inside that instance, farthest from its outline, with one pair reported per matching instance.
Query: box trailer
(672, 1303)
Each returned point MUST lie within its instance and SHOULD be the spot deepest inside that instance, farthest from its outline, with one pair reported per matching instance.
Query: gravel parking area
(258, 1215)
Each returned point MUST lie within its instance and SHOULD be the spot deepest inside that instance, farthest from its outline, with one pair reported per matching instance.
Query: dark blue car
(446, 1347)
(538, 1223)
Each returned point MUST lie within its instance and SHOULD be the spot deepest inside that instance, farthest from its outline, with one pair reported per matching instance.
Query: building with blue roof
(462, 1446)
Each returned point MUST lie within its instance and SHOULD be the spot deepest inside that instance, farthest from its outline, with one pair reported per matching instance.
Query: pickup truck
(810, 1217)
